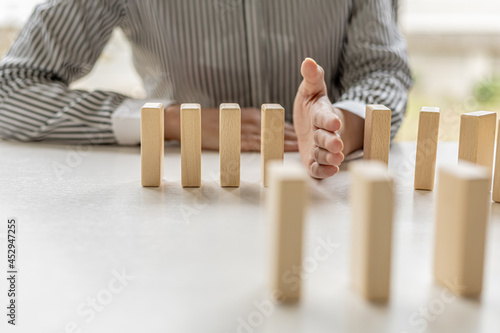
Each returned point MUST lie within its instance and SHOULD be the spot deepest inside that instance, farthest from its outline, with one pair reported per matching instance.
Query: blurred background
(453, 46)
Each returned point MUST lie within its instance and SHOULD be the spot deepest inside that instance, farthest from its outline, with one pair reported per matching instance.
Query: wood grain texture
(462, 210)
(191, 145)
(427, 142)
(152, 144)
(477, 137)
(230, 144)
(372, 205)
(272, 143)
(377, 138)
(286, 205)
(496, 180)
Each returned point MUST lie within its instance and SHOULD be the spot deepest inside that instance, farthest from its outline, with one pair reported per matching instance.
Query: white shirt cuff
(356, 107)
(126, 120)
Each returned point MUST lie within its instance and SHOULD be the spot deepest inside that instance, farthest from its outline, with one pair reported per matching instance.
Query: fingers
(250, 116)
(250, 142)
(291, 145)
(247, 129)
(328, 140)
(324, 157)
(319, 171)
(250, 138)
(324, 117)
(314, 78)
(327, 155)
(290, 132)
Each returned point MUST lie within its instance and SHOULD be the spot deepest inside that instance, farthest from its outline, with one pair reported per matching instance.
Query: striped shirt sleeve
(374, 68)
(60, 43)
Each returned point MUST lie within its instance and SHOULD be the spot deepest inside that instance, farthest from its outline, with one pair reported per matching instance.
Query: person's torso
(243, 51)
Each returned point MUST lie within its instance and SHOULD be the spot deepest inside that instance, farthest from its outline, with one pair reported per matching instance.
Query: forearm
(209, 126)
(37, 109)
(172, 123)
(250, 128)
(389, 88)
(374, 65)
(352, 130)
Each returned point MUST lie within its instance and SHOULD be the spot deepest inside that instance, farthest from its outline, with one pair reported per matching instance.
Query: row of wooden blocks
(461, 207)
(462, 210)
(376, 141)
(152, 142)
(476, 142)
(476, 145)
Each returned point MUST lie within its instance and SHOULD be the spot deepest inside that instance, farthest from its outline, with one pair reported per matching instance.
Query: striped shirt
(209, 52)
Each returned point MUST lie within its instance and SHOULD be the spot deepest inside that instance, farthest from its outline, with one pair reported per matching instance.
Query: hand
(250, 129)
(319, 125)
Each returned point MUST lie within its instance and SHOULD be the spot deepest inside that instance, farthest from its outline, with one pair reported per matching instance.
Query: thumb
(314, 78)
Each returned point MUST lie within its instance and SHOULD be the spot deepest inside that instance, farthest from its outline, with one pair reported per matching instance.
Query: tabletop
(99, 253)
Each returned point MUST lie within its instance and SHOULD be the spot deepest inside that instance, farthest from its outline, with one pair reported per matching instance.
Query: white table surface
(199, 257)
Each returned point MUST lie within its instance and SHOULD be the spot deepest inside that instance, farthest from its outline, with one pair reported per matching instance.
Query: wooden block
(372, 205)
(477, 137)
(427, 141)
(496, 181)
(230, 144)
(286, 205)
(377, 133)
(191, 145)
(272, 143)
(462, 210)
(152, 144)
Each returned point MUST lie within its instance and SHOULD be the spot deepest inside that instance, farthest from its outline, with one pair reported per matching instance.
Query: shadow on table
(251, 192)
(375, 315)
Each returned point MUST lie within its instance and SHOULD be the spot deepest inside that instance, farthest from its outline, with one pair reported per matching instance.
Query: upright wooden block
(377, 133)
(230, 144)
(287, 200)
(427, 141)
(272, 142)
(152, 144)
(372, 204)
(496, 181)
(477, 137)
(462, 210)
(191, 145)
